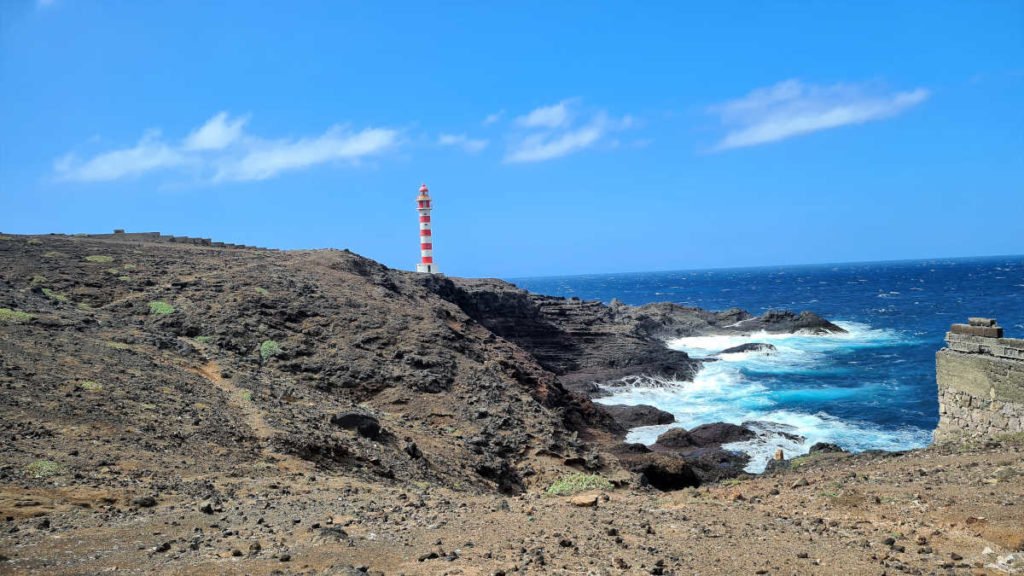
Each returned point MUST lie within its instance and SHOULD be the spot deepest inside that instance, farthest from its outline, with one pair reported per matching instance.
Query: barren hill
(183, 408)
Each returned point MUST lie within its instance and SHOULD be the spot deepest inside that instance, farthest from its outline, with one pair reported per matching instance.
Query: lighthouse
(426, 239)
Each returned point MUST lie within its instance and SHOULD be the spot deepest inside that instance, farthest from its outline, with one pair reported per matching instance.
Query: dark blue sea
(872, 388)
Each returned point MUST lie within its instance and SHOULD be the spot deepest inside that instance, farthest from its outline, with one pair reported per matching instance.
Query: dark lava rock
(719, 433)
(674, 438)
(750, 347)
(785, 321)
(662, 471)
(639, 415)
(825, 447)
(703, 436)
(366, 425)
(144, 501)
(714, 464)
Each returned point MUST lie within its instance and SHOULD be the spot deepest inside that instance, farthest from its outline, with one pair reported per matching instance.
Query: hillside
(180, 407)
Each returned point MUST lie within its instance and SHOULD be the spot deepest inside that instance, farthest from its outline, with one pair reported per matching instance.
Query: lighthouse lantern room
(426, 239)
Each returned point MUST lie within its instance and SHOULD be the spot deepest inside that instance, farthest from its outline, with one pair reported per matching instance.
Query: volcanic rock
(750, 347)
(639, 415)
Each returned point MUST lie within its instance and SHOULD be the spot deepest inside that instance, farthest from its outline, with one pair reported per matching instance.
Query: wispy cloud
(553, 132)
(552, 116)
(266, 159)
(470, 145)
(220, 150)
(148, 155)
(793, 108)
(218, 133)
(493, 118)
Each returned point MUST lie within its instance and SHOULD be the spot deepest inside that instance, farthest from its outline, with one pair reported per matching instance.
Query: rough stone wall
(981, 383)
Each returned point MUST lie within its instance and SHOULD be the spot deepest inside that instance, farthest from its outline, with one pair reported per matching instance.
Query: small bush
(55, 296)
(90, 386)
(52, 254)
(119, 345)
(160, 308)
(579, 482)
(44, 469)
(8, 316)
(34, 242)
(99, 259)
(262, 291)
(112, 271)
(84, 307)
(202, 339)
(38, 279)
(246, 395)
(269, 349)
(129, 266)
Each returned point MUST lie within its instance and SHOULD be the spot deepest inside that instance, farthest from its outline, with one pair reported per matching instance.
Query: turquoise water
(872, 388)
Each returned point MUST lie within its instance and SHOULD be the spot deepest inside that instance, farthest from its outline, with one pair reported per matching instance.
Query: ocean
(872, 388)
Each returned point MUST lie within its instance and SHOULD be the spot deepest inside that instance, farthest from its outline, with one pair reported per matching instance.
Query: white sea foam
(727, 391)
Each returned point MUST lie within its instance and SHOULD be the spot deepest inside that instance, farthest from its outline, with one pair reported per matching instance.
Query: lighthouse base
(426, 268)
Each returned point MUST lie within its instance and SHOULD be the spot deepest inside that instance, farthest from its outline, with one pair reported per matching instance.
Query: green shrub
(38, 279)
(8, 316)
(90, 386)
(52, 254)
(34, 242)
(269, 349)
(119, 345)
(202, 339)
(246, 395)
(99, 258)
(85, 307)
(55, 296)
(112, 271)
(44, 468)
(160, 308)
(129, 266)
(262, 291)
(578, 482)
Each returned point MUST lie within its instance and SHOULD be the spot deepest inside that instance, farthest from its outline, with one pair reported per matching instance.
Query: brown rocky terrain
(177, 408)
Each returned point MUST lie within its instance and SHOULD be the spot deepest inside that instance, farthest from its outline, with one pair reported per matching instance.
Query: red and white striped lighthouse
(426, 239)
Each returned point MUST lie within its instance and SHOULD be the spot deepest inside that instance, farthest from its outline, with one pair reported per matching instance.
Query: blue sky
(556, 138)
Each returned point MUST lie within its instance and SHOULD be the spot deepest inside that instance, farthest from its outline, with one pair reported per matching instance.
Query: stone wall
(158, 237)
(980, 377)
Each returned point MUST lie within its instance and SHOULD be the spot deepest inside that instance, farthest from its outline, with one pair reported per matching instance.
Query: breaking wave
(783, 395)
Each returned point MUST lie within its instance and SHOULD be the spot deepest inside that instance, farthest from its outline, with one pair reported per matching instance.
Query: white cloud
(270, 158)
(553, 116)
(218, 133)
(493, 118)
(552, 132)
(792, 108)
(148, 155)
(219, 150)
(468, 144)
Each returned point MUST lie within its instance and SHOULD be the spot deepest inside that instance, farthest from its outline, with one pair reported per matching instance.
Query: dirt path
(241, 400)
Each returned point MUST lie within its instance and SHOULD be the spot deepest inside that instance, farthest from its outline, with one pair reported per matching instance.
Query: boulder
(640, 415)
(662, 471)
(824, 447)
(364, 424)
(719, 433)
(750, 347)
(703, 436)
(715, 464)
